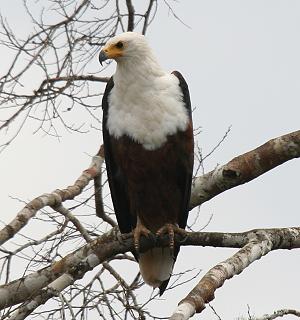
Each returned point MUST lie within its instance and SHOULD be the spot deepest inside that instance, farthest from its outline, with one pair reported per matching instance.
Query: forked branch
(254, 244)
(260, 243)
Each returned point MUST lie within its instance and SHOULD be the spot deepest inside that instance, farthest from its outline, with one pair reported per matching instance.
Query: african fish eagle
(148, 145)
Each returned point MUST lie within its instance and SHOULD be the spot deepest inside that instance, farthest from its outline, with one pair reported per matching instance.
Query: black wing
(185, 167)
(185, 172)
(116, 180)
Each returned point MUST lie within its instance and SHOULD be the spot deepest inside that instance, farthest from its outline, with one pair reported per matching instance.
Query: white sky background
(241, 61)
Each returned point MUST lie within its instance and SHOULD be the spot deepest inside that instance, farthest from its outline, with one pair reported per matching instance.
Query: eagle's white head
(128, 45)
(135, 59)
(131, 51)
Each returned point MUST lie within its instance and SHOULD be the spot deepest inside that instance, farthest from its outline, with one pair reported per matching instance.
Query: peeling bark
(260, 243)
(245, 167)
(254, 244)
(51, 290)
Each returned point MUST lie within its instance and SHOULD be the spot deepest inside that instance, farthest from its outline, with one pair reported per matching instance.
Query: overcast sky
(241, 61)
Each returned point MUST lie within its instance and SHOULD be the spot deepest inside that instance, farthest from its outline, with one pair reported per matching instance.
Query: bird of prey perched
(148, 145)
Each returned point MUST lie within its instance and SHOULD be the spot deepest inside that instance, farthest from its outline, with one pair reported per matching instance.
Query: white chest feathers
(147, 112)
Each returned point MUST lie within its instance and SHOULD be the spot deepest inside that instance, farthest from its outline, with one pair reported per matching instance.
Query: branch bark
(255, 243)
(130, 9)
(260, 243)
(245, 167)
(53, 289)
(279, 313)
(100, 212)
(52, 199)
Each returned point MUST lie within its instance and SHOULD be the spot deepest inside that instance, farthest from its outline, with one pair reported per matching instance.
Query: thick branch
(52, 199)
(245, 167)
(260, 243)
(108, 245)
(53, 289)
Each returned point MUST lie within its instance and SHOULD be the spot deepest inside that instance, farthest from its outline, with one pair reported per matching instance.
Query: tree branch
(278, 313)
(67, 213)
(54, 198)
(260, 243)
(53, 289)
(245, 167)
(147, 16)
(130, 10)
(100, 212)
(255, 243)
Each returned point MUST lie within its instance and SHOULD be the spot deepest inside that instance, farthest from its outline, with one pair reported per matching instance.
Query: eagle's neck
(143, 69)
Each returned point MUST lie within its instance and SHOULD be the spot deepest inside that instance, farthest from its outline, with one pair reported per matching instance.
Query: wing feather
(186, 161)
(184, 167)
(116, 179)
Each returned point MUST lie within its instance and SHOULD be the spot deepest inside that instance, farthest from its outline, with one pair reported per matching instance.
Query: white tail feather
(156, 266)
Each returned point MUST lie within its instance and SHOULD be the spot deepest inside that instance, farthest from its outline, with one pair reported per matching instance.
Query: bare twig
(98, 194)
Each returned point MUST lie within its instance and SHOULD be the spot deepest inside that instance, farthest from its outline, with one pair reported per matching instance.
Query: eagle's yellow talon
(140, 230)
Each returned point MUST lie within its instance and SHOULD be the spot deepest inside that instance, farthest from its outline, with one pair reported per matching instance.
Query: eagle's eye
(119, 45)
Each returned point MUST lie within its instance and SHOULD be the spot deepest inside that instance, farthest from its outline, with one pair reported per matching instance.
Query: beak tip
(102, 57)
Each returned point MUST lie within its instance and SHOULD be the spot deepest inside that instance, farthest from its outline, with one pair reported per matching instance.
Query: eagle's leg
(139, 230)
(170, 229)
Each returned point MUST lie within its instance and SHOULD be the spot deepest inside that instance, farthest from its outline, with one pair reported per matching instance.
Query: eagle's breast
(147, 112)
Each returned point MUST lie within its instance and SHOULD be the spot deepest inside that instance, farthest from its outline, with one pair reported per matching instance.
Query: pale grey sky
(241, 61)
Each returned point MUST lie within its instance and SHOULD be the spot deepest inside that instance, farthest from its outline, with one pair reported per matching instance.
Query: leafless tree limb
(131, 10)
(147, 16)
(254, 244)
(65, 212)
(245, 167)
(54, 198)
(98, 187)
(279, 313)
(260, 243)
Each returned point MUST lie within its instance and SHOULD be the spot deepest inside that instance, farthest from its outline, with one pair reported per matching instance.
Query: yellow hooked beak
(111, 51)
